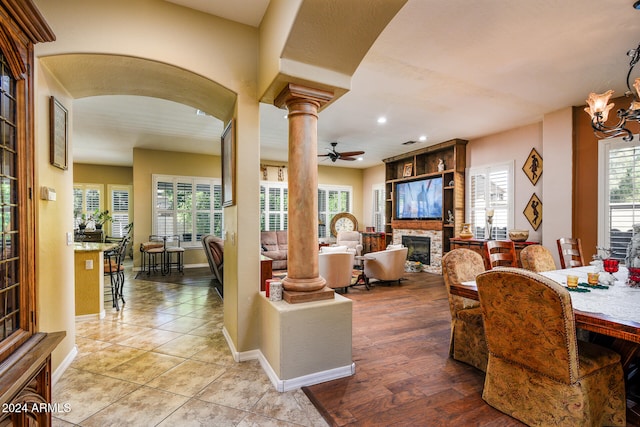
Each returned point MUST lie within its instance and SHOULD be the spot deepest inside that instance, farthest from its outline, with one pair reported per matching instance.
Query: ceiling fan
(334, 155)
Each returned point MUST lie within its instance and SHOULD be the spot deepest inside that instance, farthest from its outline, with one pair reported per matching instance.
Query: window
(189, 207)
(619, 195)
(490, 187)
(119, 209)
(274, 198)
(377, 210)
(331, 201)
(87, 198)
(273, 206)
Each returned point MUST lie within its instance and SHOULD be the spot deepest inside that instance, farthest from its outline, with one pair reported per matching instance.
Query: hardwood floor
(404, 376)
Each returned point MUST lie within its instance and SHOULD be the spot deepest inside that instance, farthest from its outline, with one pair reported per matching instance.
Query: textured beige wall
(149, 162)
(54, 258)
(512, 145)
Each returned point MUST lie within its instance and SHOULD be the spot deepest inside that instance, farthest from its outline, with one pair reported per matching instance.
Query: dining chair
(538, 371)
(537, 258)
(501, 253)
(467, 343)
(570, 251)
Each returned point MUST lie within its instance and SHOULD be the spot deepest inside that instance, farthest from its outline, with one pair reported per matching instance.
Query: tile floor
(163, 361)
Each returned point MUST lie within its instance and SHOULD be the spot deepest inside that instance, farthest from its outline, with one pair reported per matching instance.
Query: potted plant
(82, 222)
(100, 217)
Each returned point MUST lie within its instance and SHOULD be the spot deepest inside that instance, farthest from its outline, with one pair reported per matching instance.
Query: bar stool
(113, 267)
(172, 247)
(150, 251)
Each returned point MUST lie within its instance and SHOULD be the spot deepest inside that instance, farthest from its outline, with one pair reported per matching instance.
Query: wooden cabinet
(477, 245)
(373, 242)
(424, 163)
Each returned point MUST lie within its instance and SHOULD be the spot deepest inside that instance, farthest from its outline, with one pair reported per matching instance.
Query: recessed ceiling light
(423, 138)
(382, 120)
(286, 116)
(360, 159)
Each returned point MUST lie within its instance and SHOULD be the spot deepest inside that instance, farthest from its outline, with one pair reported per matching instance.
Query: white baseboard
(293, 383)
(85, 317)
(305, 380)
(57, 374)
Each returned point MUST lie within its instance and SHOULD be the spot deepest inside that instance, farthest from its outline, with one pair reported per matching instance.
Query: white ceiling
(444, 69)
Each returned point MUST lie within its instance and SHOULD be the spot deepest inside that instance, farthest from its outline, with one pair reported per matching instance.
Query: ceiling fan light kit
(346, 155)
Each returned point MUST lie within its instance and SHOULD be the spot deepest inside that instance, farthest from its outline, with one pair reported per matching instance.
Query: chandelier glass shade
(599, 107)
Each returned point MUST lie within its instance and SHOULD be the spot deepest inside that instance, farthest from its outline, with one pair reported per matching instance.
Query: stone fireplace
(434, 246)
(419, 248)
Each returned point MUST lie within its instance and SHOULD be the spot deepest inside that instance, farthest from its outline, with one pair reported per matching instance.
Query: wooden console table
(477, 245)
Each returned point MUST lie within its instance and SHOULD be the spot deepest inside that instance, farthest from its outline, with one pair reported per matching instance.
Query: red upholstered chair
(570, 251)
(501, 253)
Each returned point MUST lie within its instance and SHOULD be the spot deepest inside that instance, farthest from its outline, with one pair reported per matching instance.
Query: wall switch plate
(88, 264)
(69, 238)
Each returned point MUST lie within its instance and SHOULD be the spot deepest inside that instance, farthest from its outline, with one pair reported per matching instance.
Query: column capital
(294, 92)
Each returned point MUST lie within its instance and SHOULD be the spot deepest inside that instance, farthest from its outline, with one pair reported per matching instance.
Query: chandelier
(599, 107)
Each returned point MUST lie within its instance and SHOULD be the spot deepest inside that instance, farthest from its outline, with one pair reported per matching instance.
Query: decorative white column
(303, 282)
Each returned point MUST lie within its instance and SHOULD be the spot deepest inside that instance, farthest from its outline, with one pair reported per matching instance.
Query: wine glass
(611, 265)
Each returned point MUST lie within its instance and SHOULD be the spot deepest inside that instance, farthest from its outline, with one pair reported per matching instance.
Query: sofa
(274, 245)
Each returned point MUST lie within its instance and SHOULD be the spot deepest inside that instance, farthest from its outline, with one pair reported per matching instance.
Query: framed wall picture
(533, 211)
(408, 170)
(533, 166)
(228, 154)
(58, 124)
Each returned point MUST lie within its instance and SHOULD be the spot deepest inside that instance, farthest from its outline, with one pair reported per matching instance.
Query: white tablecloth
(620, 300)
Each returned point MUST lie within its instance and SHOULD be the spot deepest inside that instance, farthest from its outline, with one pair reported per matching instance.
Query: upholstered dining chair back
(537, 258)
(336, 268)
(501, 253)
(538, 372)
(467, 343)
(570, 251)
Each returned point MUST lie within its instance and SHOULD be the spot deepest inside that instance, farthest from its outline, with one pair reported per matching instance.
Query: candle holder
(489, 227)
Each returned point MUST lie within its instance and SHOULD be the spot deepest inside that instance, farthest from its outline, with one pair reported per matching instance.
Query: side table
(266, 271)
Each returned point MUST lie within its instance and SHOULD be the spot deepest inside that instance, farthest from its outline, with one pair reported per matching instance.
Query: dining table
(608, 310)
(612, 310)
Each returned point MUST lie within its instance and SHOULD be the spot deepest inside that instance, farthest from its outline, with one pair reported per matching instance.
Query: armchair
(385, 266)
(352, 240)
(336, 268)
(214, 249)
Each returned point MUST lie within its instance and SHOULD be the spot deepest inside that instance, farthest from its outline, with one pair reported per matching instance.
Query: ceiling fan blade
(324, 155)
(350, 159)
(351, 153)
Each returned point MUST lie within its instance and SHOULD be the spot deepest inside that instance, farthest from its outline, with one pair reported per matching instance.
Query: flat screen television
(420, 199)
